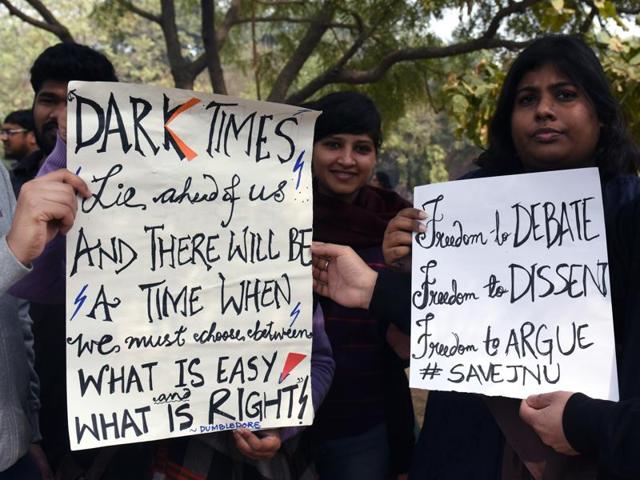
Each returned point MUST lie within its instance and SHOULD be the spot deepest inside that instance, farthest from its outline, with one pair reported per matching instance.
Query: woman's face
(553, 123)
(343, 163)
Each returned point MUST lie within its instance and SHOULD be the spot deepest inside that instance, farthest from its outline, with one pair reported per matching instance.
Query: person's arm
(609, 431)
(605, 430)
(391, 300)
(11, 270)
(34, 382)
(46, 206)
(265, 444)
(36, 452)
(322, 365)
(341, 275)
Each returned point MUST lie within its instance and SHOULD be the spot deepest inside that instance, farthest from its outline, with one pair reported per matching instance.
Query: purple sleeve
(56, 160)
(322, 367)
(46, 282)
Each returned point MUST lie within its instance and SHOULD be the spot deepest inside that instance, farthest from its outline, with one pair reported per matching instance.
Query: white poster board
(510, 287)
(189, 291)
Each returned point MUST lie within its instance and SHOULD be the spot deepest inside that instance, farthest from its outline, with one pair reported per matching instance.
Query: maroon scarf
(359, 224)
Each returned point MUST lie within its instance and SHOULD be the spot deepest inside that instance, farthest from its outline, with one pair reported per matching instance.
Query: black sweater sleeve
(391, 300)
(610, 431)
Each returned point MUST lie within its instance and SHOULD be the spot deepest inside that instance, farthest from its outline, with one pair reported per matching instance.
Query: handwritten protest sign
(189, 296)
(510, 287)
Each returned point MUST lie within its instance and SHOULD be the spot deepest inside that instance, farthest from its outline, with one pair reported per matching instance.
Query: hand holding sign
(262, 445)
(189, 293)
(396, 245)
(46, 206)
(510, 295)
(543, 413)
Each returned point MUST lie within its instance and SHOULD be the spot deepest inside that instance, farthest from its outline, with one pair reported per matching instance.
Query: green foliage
(621, 62)
(468, 95)
(420, 148)
(25, 43)
(470, 98)
(423, 102)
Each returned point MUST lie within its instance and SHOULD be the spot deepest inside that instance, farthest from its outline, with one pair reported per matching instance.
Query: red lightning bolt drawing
(292, 361)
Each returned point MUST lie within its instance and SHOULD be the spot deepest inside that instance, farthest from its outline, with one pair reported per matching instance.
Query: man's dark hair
(70, 61)
(615, 153)
(347, 112)
(24, 118)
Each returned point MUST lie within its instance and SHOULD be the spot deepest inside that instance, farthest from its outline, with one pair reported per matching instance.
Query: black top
(461, 439)
(25, 170)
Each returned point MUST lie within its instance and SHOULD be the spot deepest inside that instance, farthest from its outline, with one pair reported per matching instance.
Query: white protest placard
(189, 291)
(510, 287)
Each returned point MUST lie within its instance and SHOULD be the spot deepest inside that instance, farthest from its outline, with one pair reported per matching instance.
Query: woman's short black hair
(347, 112)
(70, 61)
(615, 153)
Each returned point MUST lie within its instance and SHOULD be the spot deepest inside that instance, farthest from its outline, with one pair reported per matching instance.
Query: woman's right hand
(396, 244)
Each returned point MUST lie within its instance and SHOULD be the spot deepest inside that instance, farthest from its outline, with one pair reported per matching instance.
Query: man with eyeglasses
(19, 141)
(44, 286)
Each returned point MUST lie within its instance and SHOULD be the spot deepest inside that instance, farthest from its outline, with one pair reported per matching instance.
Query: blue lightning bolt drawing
(298, 167)
(294, 314)
(79, 301)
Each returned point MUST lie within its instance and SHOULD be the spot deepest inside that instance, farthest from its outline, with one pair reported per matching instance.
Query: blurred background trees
(434, 67)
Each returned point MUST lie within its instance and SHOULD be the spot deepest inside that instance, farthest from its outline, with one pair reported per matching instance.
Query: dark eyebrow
(531, 88)
(48, 94)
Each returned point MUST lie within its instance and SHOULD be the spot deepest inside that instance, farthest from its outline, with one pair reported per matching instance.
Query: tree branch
(274, 18)
(358, 42)
(216, 75)
(307, 44)
(514, 7)
(180, 69)
(50, 23)
(230, 19)
(355, 77)
(357, 17)
(337, 74)
(43, 11)
(586, 24)
(140, 12)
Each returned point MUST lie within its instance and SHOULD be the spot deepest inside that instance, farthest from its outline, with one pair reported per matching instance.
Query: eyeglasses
(9, 132)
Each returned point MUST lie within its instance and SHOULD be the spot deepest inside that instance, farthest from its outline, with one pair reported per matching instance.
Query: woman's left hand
(544, 414)
(262, 447)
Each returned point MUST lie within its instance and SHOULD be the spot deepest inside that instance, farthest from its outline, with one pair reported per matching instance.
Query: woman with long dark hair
(555, 111)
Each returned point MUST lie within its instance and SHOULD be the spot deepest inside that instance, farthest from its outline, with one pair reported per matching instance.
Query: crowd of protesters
(555, 112)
